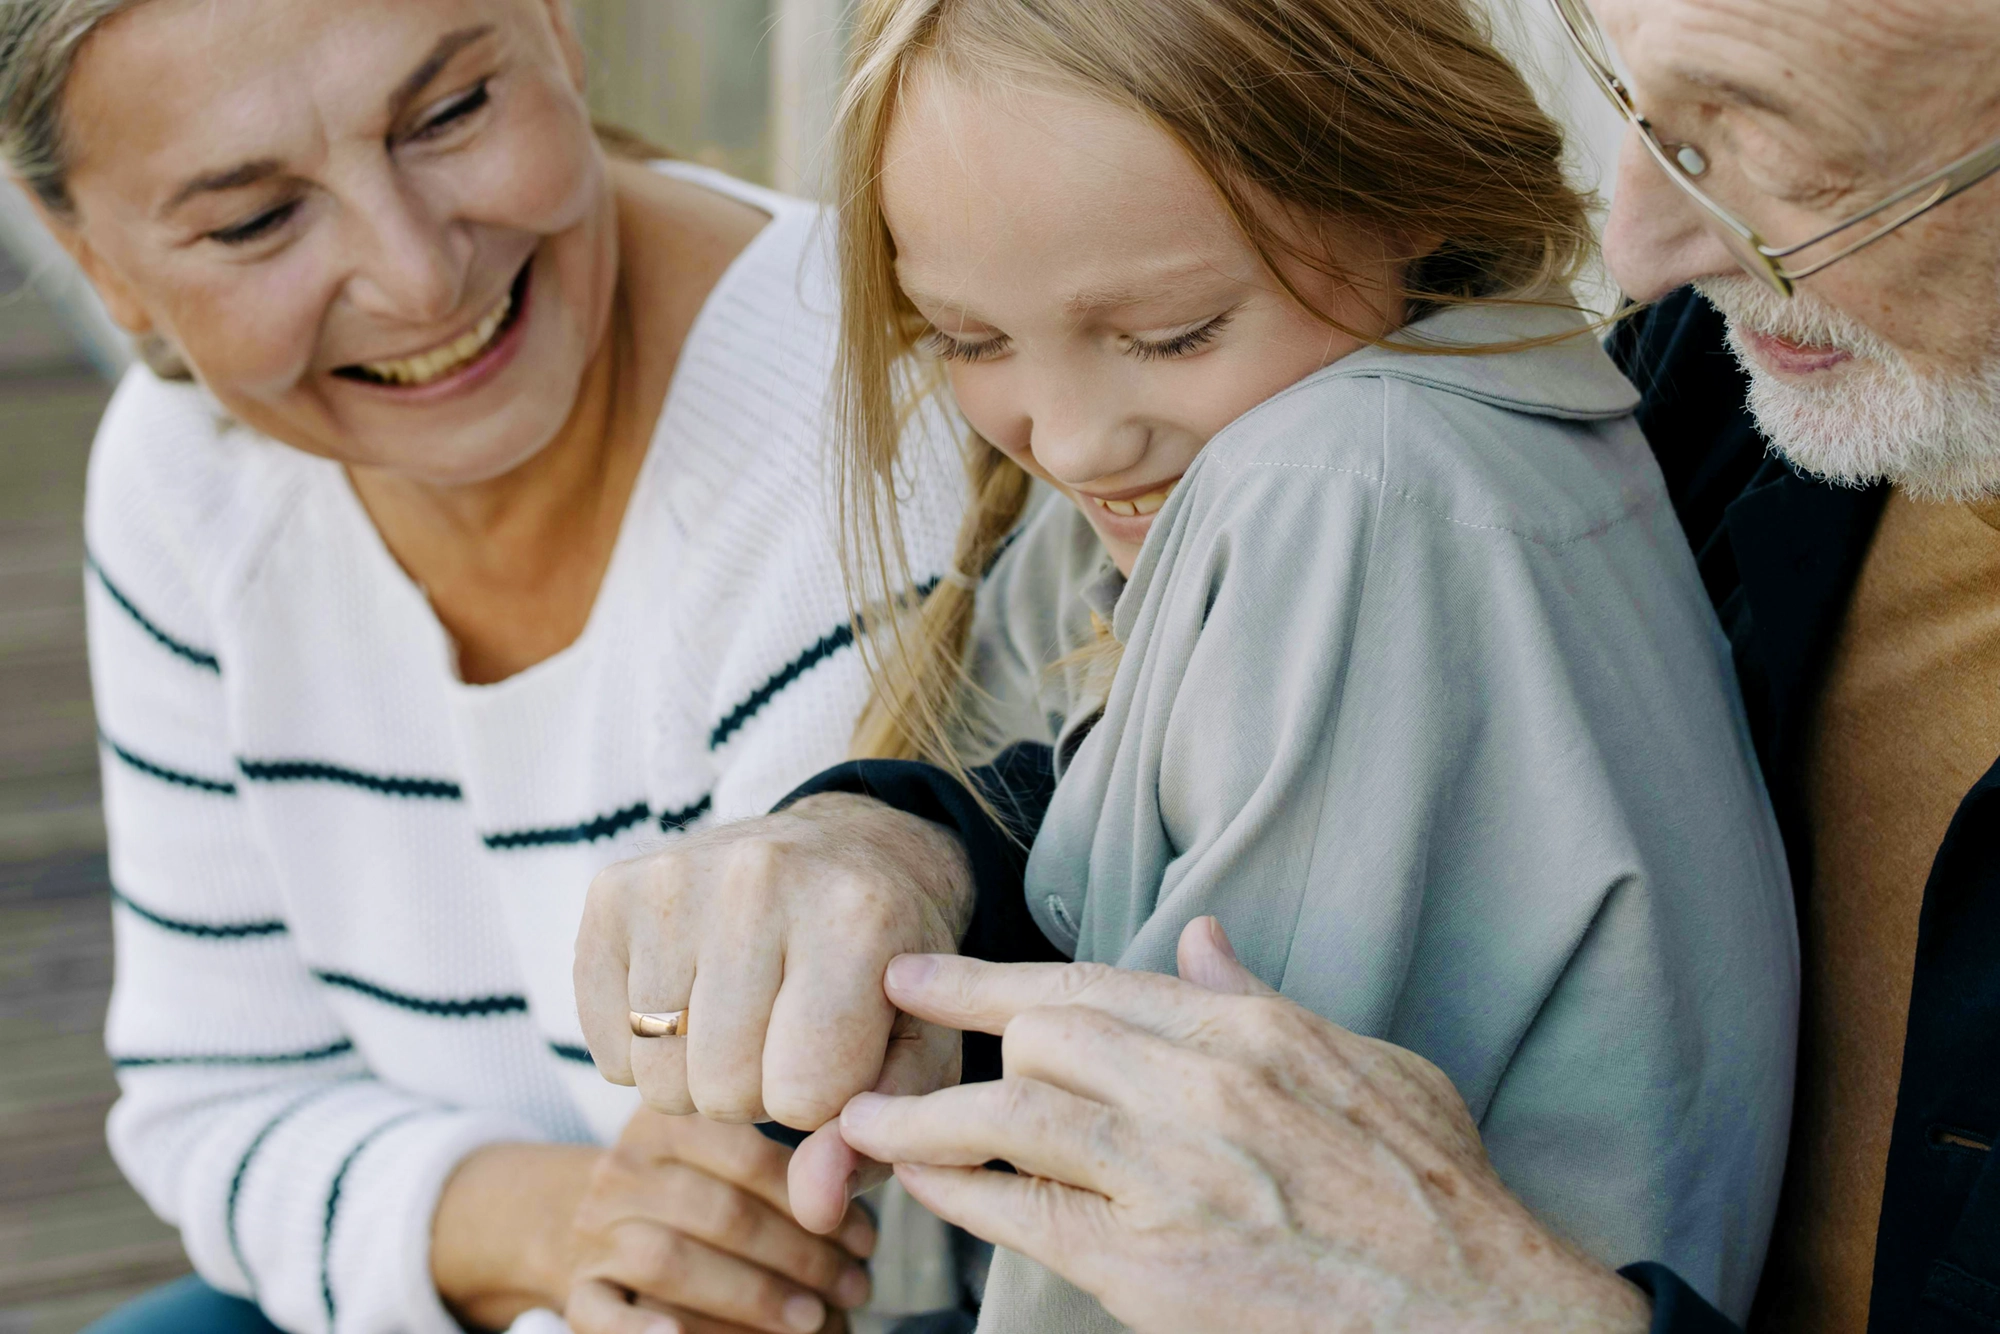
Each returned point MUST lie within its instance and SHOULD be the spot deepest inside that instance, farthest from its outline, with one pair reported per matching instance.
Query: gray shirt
(1421, 695)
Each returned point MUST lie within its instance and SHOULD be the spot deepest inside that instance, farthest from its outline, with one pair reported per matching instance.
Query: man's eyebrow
(235, 178)
(441, 55)
(1747, 96)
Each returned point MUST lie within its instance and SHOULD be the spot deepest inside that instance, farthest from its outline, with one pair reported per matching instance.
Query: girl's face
(379, 231)
(1100, 313)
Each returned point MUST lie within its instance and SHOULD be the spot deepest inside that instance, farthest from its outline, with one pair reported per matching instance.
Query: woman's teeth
(1139, 505)
(440, 362)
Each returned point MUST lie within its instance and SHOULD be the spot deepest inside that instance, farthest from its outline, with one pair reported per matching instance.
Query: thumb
(1207, 959)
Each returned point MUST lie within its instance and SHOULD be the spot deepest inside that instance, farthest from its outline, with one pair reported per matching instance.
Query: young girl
(1415, 684)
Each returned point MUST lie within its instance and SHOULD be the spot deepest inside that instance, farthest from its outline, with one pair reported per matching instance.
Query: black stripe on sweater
(333, 1206)
(201, 930)
(672, 822)
(313, 771)
(840, 637)
(590, 831)
(220, 787)
(469, 1007)
(199, 657)
(326, 1053)
(604, 826)
(569, 1051)
(284, 1114)
(832, 642)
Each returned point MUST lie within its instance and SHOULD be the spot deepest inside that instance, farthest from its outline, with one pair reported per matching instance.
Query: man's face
(1887, 365)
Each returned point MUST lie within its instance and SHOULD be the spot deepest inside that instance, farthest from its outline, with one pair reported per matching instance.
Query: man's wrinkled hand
(1202, 1154)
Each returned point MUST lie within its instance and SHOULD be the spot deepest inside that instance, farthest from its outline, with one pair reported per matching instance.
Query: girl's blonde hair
(1399, 115)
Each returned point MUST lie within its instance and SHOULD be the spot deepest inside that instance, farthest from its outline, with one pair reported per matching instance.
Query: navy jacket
(1779, 554)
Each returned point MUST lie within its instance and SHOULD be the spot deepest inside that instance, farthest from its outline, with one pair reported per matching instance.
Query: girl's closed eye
(965, 351)
(1183, 344)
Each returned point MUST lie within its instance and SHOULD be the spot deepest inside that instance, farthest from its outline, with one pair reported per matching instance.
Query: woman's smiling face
(379, 231)
(1100, 313)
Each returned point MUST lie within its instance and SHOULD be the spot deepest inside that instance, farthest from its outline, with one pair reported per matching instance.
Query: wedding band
(673, 1024)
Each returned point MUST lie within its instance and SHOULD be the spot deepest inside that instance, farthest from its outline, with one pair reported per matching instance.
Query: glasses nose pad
(1691, 159)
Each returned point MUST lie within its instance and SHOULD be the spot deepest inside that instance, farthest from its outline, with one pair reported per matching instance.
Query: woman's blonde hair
(1399, 115)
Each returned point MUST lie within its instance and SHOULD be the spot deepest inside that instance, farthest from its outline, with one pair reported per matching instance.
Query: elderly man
(1210, 1159)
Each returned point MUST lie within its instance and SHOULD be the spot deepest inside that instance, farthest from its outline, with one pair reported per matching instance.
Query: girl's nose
(1079, 438)
(408, 266)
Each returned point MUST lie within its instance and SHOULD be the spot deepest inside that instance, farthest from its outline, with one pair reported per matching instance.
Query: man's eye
(946, 347)
(455, 111)
(262, 225)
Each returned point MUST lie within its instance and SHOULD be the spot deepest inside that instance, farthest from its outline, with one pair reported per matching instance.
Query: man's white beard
(1874, 418)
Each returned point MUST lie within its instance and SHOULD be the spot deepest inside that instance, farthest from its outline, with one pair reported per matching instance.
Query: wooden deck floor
(74, 1239)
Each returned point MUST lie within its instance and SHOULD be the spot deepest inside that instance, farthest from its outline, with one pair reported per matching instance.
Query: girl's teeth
(437, 364)
(1142, 505)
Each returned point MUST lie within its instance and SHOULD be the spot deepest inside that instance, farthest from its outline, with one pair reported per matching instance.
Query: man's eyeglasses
(1726, 196)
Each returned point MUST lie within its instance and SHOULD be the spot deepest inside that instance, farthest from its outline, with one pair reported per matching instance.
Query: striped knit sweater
(348, 884)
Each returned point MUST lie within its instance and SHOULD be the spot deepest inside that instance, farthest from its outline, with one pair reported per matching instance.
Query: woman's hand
(683, 1225)
(1202, 1161)
(773, 935)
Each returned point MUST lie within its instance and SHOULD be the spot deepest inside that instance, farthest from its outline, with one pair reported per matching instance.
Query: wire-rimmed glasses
(1781, 267)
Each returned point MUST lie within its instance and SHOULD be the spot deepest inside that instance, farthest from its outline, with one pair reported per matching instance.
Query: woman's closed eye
(457, 109)
(257, 227)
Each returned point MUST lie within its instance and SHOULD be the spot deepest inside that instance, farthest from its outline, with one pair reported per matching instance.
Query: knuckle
(1270, 1026)
(728, 1216)
(655, 1256)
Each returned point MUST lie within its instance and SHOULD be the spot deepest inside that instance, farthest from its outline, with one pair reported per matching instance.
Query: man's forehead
(1833, 65)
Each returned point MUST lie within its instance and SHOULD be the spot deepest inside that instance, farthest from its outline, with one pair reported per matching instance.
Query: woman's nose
(1656, 239)
(408, 265)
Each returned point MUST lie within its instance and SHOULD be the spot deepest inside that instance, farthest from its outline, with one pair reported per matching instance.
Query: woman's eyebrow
(420, 78)
(412, 87)
(234, 178)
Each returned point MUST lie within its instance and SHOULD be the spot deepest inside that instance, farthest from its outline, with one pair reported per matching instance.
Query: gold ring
(673, 1024)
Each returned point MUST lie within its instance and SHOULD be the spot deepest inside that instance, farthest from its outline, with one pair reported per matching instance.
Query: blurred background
(744, 85)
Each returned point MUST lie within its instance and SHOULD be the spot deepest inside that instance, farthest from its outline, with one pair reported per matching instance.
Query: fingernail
(862, 1108)
(805, 1314)
(1221, 939)
(911, 972)
(665, 1325)
(852, 1289)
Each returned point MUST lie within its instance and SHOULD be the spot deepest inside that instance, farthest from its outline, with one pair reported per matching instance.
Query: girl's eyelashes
(943, 346)
(453, 111)
(258, 227)
(1181, 344)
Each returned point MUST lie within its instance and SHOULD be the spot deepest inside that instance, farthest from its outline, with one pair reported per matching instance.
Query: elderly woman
(468, 533)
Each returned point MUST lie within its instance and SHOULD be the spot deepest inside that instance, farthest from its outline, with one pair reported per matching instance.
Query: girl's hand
(773, 934)
(689, 1217)
(683, 1225)
(1202, 1154)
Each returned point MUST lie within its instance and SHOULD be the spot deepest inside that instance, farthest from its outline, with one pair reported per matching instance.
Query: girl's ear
(120, 300)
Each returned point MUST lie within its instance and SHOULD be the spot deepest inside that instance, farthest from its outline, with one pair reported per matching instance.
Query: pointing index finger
(979, 997)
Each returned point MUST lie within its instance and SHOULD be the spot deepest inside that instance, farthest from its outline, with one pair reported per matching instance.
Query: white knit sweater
(348, 884)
